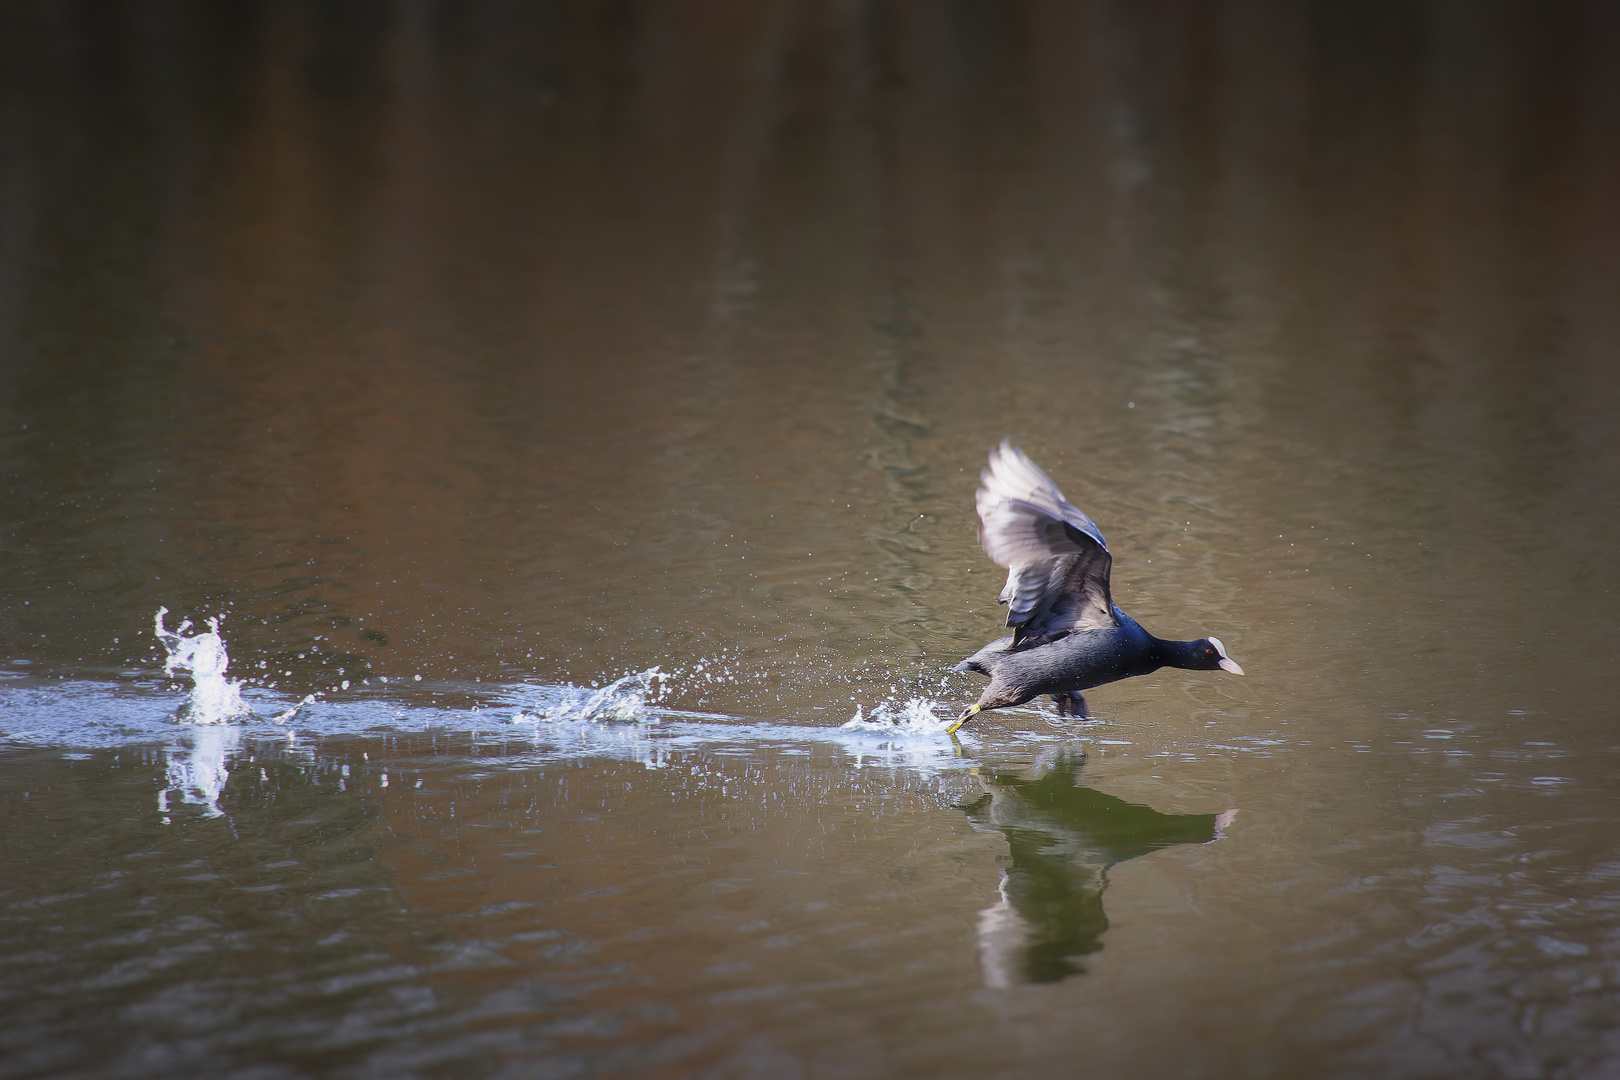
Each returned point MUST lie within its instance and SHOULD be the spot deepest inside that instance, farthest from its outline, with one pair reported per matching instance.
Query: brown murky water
(470, 356)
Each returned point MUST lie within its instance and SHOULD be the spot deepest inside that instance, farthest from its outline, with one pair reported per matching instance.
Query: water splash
(624, 701)
(214, 698)
(915, 717)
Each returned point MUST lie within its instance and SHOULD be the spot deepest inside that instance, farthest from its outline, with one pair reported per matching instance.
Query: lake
(487, 522)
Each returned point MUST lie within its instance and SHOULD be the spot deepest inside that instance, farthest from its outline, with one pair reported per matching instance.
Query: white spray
(214, 698)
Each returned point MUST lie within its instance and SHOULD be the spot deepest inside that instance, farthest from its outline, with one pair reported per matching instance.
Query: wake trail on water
(636, 698)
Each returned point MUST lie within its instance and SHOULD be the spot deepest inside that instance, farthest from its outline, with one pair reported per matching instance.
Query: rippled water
(565, 421)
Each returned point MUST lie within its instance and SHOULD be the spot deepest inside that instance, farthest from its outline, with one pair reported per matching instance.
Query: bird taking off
(1067, 635)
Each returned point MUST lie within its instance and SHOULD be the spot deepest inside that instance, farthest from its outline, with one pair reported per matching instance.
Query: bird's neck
(1174, 653)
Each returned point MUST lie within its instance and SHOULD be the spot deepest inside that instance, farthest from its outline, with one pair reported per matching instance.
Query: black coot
(1067, 635)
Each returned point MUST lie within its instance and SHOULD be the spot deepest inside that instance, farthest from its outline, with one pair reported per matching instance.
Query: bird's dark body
(1074, 662)
(1067, 634)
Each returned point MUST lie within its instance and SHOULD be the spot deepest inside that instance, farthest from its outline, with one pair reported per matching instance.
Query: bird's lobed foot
(967, 714)
(1071, 705)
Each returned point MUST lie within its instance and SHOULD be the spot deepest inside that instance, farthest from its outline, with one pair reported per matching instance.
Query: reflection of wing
(1039, 924)
(1062, 838)
(1057, 561)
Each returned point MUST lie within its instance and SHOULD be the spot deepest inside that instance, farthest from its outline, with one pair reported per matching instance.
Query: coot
(1067, 635)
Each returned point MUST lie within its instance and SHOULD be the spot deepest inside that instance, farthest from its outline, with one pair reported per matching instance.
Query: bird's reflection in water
(1063, 838)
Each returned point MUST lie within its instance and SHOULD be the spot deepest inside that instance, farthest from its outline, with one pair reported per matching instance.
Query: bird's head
(1209, 654)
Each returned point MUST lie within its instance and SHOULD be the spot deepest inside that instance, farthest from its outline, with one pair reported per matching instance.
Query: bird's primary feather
(1057, 561)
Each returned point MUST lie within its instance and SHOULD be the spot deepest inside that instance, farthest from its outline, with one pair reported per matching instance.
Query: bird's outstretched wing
(1057, 561)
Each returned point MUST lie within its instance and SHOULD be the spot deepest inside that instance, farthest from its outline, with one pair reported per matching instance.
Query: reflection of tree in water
(1063, 838)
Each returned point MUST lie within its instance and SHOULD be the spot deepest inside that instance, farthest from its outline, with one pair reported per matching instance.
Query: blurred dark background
(398, 317)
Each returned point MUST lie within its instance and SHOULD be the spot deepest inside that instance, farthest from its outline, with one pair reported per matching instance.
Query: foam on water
(214, 698)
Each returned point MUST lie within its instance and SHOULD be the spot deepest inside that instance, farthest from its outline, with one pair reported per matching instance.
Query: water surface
(573, 412)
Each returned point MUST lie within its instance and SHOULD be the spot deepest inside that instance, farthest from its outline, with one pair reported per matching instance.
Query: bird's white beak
(1225, 663)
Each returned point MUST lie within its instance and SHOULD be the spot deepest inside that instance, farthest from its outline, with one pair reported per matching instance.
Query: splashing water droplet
(916, 716)
(623, 700)
(214, 698)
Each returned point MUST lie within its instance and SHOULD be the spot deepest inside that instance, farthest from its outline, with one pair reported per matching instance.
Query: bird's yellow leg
(964, 718)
